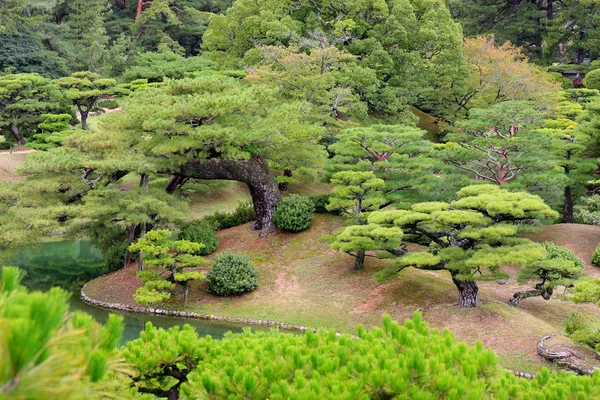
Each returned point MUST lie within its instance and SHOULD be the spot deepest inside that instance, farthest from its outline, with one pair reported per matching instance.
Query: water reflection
(71, 264)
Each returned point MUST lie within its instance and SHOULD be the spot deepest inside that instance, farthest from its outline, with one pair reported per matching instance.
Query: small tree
(55, 128)
(355, 194)
(171, 256)
(84, 88)
(561, 267)
(468, 236)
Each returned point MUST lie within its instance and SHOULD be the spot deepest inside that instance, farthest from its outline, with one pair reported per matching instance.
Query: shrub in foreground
(231, 274)
(294, 213)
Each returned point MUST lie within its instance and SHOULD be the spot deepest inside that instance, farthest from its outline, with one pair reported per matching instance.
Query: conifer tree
(54, 129)
(356, 193)
(23, 99)
(471, 237)
(84, 88)
(157, 250)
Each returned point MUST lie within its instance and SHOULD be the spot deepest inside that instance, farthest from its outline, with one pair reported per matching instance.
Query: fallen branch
(564, 357)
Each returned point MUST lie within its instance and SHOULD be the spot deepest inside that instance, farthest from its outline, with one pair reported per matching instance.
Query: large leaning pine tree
(471, 237)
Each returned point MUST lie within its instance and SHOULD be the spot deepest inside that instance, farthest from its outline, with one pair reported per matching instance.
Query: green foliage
(156, 67)
(581, 331)
(592, 79)
(320, 202)
(596, 257)
(586, 290)
(231, 274)
(243, 213)
(414, 362)
(294, 213)
(48, 352)
(24, 54)
(157, 250)
(110, 104)
(470, 235)
(54, 130)
(200, 233)
(590, 212)
(411, 47)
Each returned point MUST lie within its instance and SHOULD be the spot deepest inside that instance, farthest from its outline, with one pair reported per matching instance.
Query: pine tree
(471, 237)
(84, 88)
(157, 250)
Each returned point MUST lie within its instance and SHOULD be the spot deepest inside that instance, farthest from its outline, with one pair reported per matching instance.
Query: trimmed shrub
(231, 274)
(592, 79)
(294, 213)
(243, 213)
(110, 104)
(596, 257)
(200, 233)
(562, 253)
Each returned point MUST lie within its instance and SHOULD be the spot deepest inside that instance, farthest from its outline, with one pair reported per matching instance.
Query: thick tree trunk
(174, 183)
(17, 134)
(254, 172)
(580, 55)
(359, 262)
(468, 292)
(568, 205)
(84, 117)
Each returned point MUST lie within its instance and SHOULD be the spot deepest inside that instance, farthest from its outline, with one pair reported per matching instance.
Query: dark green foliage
(242, 214)
(155, 67)
(294, 213)
(200, 233)
(596, 257)
(581, 331)
(320, 202)
(231, 274)
(25, 55)
(110, 104)
(114, 257)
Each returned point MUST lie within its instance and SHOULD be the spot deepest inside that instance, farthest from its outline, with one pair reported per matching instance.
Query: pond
(71, 264)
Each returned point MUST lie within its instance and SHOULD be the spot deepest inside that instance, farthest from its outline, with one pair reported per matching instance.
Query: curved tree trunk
(468, 292)
(539, 290)
(254, 172)
(17, 134)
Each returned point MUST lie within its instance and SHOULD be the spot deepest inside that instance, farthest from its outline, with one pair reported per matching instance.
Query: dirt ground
(303, 281)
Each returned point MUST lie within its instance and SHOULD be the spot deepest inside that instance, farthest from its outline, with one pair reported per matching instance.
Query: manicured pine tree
(471, 237)
(560, 268)
(355, 194)
(84, 88)
(54, 129)
(173, 256)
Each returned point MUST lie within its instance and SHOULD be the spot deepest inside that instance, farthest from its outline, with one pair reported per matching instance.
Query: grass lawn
(303, 281)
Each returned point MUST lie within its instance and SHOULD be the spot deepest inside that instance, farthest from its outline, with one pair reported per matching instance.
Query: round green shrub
(294, 213)
(596, 257)
(200, 233)
(320, 202)
(555, 251)
(231, 274)
(592, 79)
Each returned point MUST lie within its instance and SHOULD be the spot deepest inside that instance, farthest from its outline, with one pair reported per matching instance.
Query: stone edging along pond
(184, 314)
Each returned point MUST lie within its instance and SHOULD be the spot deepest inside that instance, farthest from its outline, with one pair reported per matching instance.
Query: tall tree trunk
(550, 11)
(186, 289)
(359, 262)
(580, 54)
(568, 205)
(284, 186)
(254, 172)
(84, 117)
(130, 240)
(144, 179)
(17, 133)
(468, 292)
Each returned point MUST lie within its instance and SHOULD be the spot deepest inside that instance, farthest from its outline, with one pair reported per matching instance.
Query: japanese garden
(322, 199)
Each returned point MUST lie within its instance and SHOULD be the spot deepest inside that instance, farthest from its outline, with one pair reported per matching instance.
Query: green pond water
(71, 264)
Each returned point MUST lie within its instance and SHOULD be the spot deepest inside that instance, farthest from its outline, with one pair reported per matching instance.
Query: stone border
(184, 314)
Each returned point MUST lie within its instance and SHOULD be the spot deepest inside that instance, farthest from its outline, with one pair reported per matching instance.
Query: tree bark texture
(253, 172)
(539, 290)
(468, 292)
(17, 134)
(359, 262)
(568, 205)
(84, 117)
